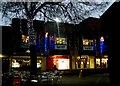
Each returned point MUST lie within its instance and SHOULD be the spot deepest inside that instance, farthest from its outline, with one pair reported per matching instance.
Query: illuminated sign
(60, 43)
(61, 47)
(88, 48)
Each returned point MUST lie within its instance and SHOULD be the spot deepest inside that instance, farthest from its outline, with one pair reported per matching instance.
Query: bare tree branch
(73, 12)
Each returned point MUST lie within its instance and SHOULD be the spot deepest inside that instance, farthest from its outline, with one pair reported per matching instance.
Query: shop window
(39, 63)
(104, 63)
(85, 62)
(87, 42)
(15, 64)
(25, 40)
(61, 63)
(25, 64)
(97, 63)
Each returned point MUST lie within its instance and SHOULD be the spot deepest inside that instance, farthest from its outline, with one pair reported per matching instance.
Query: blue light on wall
(101, 44)
(52, 43)
(95, 45)
(45, 42)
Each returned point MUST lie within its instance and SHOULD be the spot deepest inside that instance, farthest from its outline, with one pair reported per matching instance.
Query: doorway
(83, 62)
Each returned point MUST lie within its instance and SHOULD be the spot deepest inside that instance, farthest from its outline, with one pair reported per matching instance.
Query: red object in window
(49, 63)
(16, 81)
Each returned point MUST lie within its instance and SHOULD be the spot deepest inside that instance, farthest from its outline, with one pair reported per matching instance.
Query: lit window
(60, 41)
(25, 38)
(85, 42)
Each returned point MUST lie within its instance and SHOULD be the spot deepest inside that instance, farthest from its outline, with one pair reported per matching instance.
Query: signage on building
(61, 43)
(61, 47)
(88, 48)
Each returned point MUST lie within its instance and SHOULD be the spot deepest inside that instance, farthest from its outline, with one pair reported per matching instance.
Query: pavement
(91, 80)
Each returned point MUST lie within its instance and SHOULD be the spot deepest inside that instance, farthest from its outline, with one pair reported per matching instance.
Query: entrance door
(83, 62)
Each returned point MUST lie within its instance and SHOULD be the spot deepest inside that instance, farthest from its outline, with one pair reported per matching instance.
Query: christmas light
(31, 32)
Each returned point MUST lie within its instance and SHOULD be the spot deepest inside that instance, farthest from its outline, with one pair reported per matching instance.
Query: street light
(57, 20)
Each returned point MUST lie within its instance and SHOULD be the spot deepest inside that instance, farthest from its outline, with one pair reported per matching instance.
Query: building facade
(67, 46)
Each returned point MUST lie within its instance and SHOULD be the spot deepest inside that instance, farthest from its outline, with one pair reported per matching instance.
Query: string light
(31, 32)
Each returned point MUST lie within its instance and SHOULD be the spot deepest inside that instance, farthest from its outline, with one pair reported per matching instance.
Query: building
(91, 45)
(67, 46)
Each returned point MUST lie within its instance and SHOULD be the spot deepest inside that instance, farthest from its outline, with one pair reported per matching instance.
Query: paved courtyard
(91, 80)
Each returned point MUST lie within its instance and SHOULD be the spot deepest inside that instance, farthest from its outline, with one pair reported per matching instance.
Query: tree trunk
(33, 57)
(32, 43)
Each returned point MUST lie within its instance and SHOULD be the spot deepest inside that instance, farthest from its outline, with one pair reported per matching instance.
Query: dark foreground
(74, 80)
(91, 80)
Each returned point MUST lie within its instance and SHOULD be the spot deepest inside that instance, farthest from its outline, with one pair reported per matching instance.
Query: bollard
(80, 73)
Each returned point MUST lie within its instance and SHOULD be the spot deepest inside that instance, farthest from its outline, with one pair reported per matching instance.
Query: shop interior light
(81, 62)
(87, 62)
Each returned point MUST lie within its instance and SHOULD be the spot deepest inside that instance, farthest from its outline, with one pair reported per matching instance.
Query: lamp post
(57, 22)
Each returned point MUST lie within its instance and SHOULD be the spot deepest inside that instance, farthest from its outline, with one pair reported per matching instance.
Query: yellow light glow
(2, 55)
(60, 42)
(78, 57)
(57, 42)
